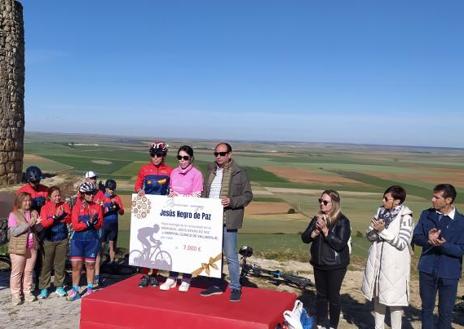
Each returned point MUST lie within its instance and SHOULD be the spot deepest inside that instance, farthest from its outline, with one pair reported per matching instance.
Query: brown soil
(266, 208)
(456, 176)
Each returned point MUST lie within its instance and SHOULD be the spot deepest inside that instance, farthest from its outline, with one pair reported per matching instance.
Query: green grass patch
(82, 164)
(384, 183)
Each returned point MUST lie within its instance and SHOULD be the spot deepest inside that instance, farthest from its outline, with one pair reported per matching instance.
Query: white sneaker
(184, 286)
(168, 284)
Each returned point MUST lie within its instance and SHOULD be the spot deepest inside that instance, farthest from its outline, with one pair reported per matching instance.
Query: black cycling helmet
(33, 174)
(110, 184)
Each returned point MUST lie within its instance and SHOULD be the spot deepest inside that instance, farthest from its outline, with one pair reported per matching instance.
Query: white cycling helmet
(87, 187)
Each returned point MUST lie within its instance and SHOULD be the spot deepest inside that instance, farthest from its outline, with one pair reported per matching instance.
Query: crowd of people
(40, 240)
(40, 221)
(45, 231)
(392, 234)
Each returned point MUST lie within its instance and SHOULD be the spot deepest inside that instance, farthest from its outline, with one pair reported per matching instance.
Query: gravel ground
(56, 312)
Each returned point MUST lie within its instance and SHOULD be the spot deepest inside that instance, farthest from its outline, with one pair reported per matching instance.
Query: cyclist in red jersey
(153, 178)
(91, 177)
(87, 218)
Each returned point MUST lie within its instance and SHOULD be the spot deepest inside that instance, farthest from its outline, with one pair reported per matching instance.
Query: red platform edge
(124, 305)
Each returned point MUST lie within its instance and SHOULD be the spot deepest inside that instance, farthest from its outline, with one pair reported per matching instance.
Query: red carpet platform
(125, 305)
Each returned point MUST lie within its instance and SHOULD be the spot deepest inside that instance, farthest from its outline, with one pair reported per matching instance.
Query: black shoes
(153, 281)
(211, 291)
(235, 295)
(146, 281)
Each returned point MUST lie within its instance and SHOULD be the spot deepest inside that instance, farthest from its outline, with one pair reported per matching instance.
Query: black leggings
(328, 283)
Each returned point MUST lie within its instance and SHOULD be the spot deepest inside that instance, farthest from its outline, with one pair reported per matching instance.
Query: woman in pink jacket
(186, 180)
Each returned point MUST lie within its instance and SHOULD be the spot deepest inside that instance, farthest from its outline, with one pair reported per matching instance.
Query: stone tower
(11, 92)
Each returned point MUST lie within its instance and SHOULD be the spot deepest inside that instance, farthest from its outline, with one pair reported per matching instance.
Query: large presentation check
(180, 234)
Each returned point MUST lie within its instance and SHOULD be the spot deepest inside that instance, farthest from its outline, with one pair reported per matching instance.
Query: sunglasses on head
(324, 202)
(223, 154)
(185, 157)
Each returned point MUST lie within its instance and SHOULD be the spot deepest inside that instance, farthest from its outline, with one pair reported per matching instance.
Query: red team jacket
(38, 195)
(153, 179)
(55, 229)
(83, 212)
(50, 209)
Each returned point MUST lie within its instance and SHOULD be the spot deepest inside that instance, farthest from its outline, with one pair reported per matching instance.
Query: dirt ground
(56, 312)
(267, 208)
(433, 176)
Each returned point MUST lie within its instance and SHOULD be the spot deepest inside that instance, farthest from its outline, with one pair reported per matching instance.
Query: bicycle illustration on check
(152, 256)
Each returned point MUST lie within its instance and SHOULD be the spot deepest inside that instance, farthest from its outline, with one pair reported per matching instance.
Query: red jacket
(39, 195)
(51, 209)
(83, 212)
(153, 179)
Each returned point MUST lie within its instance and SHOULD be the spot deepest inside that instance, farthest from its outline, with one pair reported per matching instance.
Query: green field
(361, 174)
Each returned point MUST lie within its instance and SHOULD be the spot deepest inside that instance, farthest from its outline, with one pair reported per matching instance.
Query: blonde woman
(22, 248)
(386, 277)
(328, 232)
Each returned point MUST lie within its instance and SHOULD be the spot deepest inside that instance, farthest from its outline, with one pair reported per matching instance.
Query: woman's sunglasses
(185, 157)
(157, 154)
(324, 202)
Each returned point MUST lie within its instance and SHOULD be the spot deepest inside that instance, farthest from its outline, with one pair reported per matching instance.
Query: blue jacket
(443, 261)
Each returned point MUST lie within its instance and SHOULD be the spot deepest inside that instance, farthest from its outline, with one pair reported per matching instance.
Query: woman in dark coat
(329, 234)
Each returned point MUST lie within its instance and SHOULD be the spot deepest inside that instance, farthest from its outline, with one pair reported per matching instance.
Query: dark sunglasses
(223, 154)
(90, 193)
(185, 157)
(324, 202)
(157, 154)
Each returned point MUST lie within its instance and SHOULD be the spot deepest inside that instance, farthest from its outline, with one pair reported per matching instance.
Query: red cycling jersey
(83, 212)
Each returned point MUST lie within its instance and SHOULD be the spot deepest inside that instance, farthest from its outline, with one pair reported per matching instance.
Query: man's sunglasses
(185, 157)
(90, 193)
(324, 202)
(223, 154)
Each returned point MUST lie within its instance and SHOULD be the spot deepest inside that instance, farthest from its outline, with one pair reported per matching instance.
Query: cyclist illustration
(151, 255)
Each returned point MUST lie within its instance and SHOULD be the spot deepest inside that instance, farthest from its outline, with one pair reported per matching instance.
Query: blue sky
(377, 72)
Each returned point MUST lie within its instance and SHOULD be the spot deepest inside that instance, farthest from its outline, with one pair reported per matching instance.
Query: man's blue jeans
(429, 284)
(230, 251)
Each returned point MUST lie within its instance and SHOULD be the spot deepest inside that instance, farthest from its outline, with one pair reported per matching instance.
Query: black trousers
(328, 284)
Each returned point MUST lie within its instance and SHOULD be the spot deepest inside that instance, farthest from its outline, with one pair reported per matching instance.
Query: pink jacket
(186, 182)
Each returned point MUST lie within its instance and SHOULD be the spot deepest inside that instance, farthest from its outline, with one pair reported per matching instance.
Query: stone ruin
(11, 92)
